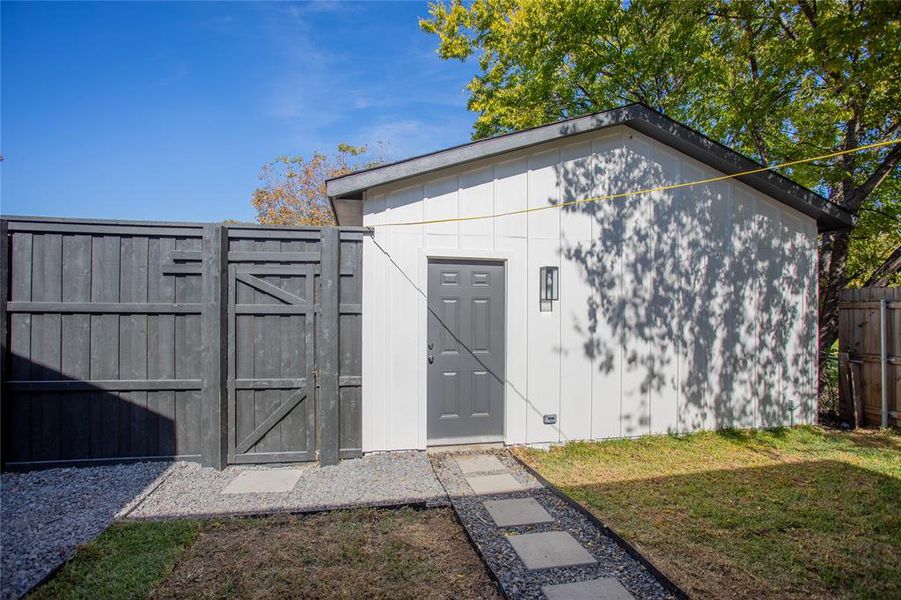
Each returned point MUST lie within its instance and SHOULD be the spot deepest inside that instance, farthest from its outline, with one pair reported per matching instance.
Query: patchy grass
(125, 561)
(788, 513)
(365, 553)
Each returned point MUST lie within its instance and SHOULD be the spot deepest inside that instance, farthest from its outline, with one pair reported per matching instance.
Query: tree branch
(809, 12)
(876, 177)
(891, 266)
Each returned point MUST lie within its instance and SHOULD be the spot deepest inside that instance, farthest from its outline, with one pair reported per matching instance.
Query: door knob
(431, 359)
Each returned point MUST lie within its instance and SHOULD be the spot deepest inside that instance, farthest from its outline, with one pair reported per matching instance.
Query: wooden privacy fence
(223, 344)
(869, 346)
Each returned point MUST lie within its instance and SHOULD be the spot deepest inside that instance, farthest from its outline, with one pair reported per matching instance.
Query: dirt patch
(366, 553)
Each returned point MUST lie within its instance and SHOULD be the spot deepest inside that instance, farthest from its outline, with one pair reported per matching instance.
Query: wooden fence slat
(327, 357)
(98, 229)
(105, 385)
(270, 289)
(254, 437)
(96, 308)
(214, 415)
(869, 304)
(860, 338)
(273, 256)
(4, 328)
(285, 383)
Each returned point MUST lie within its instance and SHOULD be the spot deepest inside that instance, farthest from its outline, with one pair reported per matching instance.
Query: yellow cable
(661, 188)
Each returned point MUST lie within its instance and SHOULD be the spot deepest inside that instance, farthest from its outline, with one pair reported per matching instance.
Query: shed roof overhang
(346, 192)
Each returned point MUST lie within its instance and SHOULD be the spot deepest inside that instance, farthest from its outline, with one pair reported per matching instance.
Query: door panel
(465, 351)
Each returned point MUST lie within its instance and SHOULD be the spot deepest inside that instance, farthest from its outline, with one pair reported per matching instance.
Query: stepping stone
(478, 463)
(261, 482)
(550, 550)
(493, 484)
(517, 511)
(605, 588)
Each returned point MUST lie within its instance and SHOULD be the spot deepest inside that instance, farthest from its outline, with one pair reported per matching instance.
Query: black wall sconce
(549, 287)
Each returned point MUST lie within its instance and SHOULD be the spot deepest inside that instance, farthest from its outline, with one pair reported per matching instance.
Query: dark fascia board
(829, 216)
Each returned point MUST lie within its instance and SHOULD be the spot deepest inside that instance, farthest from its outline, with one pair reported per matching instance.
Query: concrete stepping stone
(604, 588)
(550, 550)
(517, 511)
(478, 463)
(502, 483)
(262, 482)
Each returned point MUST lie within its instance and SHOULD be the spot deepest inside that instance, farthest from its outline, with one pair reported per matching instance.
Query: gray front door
(465, 351)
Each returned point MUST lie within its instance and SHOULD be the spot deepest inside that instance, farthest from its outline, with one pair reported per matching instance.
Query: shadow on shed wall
(697, 294)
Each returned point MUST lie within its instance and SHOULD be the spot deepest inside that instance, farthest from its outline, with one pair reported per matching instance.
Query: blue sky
(167, 111)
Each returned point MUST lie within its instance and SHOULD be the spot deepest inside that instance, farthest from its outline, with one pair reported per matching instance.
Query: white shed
(673, 311)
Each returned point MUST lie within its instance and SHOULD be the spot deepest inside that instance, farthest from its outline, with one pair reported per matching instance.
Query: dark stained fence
(350, 344)
(129, 341)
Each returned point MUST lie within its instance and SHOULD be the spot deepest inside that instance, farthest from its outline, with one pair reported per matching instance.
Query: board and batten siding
(679, 310)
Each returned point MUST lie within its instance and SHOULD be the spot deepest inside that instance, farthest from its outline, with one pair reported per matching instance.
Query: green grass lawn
(362, 553)
(789, 513)
(126, 561)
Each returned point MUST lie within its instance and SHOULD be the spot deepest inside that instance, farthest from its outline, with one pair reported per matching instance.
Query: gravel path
(380, 479)
(45, 515)
(516, 580)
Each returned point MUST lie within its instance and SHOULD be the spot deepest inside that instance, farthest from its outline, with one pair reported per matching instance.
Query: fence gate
(272, 345)
(293, 313)
(131, 341)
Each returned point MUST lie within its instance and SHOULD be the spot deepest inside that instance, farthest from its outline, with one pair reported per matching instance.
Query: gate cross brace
(271, 421)
(268, 288)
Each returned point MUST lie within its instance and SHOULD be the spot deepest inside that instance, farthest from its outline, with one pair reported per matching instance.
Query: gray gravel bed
(45, 515)
(516, 580)
(380, 479)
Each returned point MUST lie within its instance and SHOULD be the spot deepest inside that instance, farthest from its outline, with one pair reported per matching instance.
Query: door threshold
(457, 448)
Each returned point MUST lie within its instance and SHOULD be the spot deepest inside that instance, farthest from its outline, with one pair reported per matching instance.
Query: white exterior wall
(680, 310)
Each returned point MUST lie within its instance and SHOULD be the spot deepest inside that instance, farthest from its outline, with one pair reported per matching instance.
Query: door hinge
(315, 376)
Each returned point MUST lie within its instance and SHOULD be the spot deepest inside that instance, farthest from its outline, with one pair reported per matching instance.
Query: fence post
(4, 331)
(327, 359)
(213, 345)
(883, 359)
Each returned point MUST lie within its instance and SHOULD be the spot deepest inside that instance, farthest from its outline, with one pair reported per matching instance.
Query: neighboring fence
(869, 346)
(133, 340)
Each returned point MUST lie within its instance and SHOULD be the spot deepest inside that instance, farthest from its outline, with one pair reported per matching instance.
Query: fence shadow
(47, 512)
(51, 419)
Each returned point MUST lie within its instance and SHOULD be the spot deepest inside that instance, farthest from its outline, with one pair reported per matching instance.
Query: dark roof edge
(829, 216)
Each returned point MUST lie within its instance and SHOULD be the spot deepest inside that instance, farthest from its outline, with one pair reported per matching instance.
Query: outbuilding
(504, 302)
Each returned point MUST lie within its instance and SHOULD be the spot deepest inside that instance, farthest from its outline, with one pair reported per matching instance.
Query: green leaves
(776, 80)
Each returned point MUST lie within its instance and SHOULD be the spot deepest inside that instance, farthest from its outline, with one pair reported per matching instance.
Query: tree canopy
(778, 81)
(293, 187)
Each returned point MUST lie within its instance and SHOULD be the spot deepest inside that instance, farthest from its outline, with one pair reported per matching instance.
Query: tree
(293, 190)
(778, 81)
